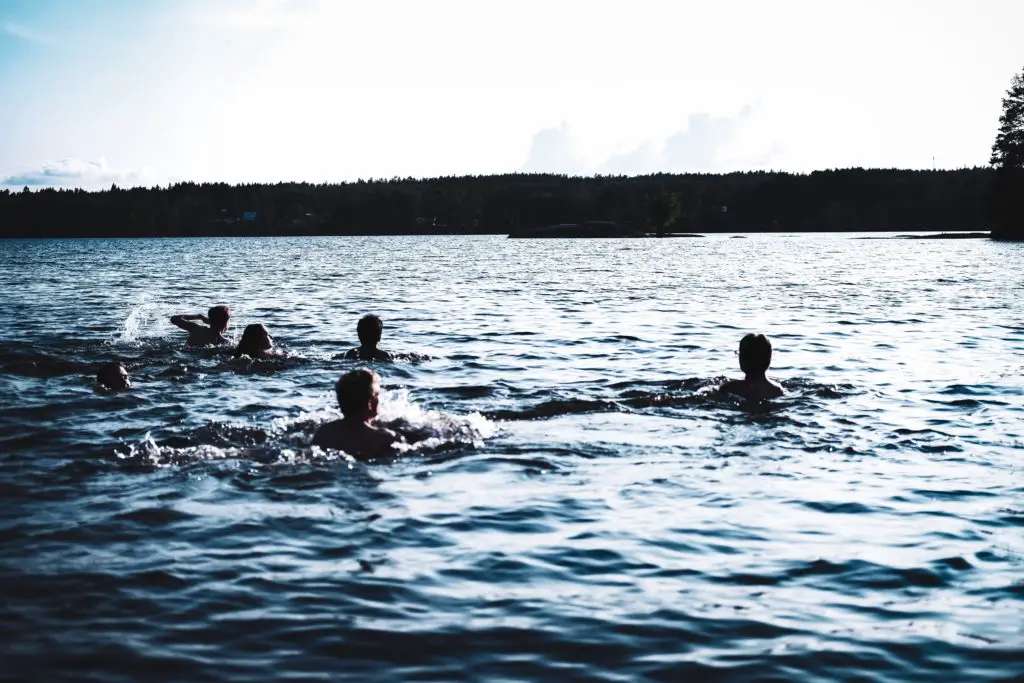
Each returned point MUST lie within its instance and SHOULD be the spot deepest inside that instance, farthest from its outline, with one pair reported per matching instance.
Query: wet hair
(113, 376)
(355, 389)
(369, 329)
(755, 353)
(254, 339)
(218, 317)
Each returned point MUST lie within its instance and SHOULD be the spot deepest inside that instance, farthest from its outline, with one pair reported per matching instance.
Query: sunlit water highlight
(577, 505)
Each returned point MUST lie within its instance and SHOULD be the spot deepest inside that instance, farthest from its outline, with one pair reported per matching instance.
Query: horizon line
(21, 186)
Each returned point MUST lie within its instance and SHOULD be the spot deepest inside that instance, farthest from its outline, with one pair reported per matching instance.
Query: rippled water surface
(577, 507)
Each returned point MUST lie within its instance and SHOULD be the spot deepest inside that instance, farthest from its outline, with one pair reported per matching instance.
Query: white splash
(431, 429)
(141, 316)
(149, 451)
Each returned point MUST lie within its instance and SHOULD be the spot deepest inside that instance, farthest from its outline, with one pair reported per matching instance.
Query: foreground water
(580, 509)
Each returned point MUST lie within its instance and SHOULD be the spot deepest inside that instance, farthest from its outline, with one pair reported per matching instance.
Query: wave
(692, 392)
(411, 357)
(20, 359)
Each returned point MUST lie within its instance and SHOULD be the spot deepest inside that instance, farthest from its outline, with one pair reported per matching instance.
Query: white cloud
(554, 150)
(26, 33)
(75, 173)
(707, 144)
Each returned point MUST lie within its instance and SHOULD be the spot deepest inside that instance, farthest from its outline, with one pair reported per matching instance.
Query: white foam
(149, 451)
(433, 429)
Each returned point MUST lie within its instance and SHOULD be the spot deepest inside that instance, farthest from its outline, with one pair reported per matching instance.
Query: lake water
(581, 508)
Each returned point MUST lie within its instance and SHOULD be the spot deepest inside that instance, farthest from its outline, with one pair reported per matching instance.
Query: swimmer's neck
(358, 421)
(756, 377)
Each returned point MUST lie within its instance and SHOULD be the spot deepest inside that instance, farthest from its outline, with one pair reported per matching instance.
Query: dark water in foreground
(580, 510)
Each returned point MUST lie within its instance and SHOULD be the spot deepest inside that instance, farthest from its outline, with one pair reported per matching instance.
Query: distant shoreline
(653, 236)
(937, 236)
(840, 200)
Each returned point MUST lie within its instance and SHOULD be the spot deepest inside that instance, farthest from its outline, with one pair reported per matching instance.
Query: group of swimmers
(358, 391)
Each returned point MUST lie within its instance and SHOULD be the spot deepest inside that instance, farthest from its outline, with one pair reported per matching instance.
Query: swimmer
(212, 334)
(369, 329)
(755, 357)
(355, 433)
(256, 343)
(113, 376)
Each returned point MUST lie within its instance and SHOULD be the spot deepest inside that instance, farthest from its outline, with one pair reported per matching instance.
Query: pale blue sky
(136, 91)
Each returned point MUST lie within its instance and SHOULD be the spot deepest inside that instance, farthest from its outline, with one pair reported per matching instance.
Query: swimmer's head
(219, 317)
(369, 329)
(358, 394)
(755, 354)
(255, 339)
(114, 376)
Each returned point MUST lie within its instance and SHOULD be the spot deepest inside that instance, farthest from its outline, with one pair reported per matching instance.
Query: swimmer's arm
(185, 321)
(736, 387)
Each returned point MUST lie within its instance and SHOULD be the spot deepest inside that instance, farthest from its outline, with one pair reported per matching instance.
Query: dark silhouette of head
(358, 394)
(755, 354)
(219, 317)
(255, 340)
(114, 376)
(370, 329)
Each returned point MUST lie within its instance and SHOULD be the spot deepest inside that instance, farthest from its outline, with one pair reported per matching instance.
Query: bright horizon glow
(237, 91)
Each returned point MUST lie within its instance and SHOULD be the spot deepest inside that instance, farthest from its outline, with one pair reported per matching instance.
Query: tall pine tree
(1008, 161)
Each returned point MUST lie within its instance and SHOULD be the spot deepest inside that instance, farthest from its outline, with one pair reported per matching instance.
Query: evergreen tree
(1008, 161)
(663, 211)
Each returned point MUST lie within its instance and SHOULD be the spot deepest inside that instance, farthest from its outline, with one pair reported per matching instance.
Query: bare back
(205, 336)
(355, 438)
(364, 353)
(199, 334)
(754, 390)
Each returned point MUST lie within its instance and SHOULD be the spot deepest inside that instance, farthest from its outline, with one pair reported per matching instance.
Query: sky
(139, 92)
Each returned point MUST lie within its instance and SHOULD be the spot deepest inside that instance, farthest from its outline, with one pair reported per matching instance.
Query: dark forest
(835, 200)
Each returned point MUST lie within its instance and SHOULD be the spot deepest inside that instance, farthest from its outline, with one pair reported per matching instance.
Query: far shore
(936, 236)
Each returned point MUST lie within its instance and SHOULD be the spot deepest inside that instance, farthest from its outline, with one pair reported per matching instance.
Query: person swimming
(256, 343)
(755, 357)
(212, 334)
(113, 376)
(369, 329)
(355, 433)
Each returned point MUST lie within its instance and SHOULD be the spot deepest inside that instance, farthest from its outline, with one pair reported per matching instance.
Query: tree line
(833, 200)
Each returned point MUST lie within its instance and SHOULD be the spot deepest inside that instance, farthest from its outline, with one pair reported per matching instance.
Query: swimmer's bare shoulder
(741, 388)
(733, 386)
(754, 391)
(362, 354)
(385, 438)
(206, 337)
(329, 434)
(359, 440)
